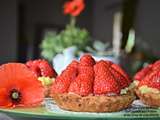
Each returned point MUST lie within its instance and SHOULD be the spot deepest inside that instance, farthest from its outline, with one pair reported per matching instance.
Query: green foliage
(54, 43)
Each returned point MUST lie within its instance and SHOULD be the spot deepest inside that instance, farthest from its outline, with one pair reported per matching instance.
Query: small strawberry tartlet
(148, 84)
(44, 72)
(90, 86)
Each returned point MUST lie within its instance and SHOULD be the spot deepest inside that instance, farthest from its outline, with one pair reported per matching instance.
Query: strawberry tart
(148, 84)
(44, 72)
(92, 86)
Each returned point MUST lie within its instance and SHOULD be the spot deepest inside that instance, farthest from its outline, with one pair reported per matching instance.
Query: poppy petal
(78, 10)
(74, 7)
(4, 101)
(17, 76)
(67, 8)
(32, 96)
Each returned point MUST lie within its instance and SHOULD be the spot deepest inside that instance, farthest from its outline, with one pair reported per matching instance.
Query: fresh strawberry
(87, 60)
(35, 69)
(46, 69)
(156, 65)
(41, 68)
(87, 70)
(123, 82)
(63, 81)
(89, 77)
(143, 72)
(61, 84)
(152, 80)
(82, 85)
(104, 82)
(121, 72)
(103, 63)
(74, 64)
(71, 70)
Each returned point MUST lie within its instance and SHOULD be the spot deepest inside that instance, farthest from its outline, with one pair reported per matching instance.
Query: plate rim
(50, 114)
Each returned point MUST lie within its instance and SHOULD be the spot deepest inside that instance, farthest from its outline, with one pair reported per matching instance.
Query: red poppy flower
(74, 7)
(19, 86)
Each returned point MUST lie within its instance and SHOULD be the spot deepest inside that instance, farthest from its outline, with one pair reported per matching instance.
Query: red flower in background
(74, 7)
(19, 86)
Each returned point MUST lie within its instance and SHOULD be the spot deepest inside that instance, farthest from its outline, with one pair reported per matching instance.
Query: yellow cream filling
(46, 81)
(125, 90)
(146, 89)
(136, 82)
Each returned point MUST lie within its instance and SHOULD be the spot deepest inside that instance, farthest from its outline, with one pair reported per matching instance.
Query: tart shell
(47, 91)
(101, 103)
(150, 99)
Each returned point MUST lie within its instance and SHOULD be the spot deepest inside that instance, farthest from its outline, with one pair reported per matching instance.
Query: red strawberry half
(142, 73)
(149, 75)
(104, 82)
(156, 65)
(87, 60)
(123, 82)
(89, 77)
(121, 72)
(152, 80)
(63, 81)
(82, 85)
(41, 68)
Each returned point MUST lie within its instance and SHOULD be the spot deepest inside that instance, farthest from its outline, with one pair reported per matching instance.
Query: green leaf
(71, 36)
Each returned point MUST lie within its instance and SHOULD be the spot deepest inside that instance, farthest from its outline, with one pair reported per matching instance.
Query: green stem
(73, 21)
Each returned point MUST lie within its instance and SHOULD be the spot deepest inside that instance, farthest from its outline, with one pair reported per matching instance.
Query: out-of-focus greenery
(100, 48)
(54, 43)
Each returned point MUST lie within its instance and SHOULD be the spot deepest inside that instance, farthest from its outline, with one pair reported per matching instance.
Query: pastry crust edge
(150, 99)
(101, 103)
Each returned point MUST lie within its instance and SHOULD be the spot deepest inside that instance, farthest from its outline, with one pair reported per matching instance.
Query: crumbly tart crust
(47, 91)
(151, 99)
(92, 103)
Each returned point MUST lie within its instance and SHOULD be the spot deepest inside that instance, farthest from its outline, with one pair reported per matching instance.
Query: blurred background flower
(55, 43)
(74, 7)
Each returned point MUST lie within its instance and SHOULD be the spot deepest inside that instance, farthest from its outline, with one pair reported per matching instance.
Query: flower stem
(72, 21)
